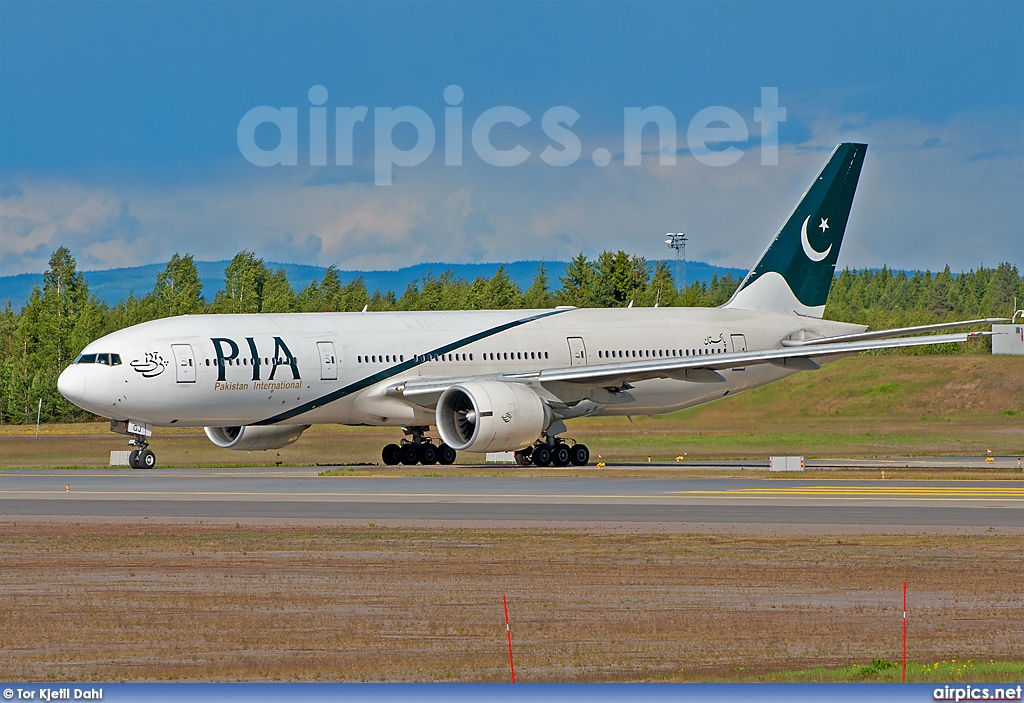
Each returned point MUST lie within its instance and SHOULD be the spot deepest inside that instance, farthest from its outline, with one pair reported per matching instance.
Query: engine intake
(489, 416)
(251, 437)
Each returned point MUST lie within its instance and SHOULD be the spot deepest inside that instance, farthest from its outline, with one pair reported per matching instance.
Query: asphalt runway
(299, 494)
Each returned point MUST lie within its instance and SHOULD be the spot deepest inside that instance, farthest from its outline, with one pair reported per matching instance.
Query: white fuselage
(308, 368)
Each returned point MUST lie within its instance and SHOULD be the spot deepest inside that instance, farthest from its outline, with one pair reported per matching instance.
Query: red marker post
(904, 632)
(508, 631)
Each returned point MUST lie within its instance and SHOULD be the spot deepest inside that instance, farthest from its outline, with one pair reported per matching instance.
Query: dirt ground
(104, 601)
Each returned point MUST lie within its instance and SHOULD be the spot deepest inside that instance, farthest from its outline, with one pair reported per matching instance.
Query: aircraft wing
(896, 332)
(703, 369)
(699, 369)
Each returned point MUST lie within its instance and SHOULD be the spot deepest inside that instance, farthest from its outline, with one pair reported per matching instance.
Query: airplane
(488, 380)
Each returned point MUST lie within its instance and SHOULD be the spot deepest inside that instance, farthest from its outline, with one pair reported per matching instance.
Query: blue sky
(118, 128)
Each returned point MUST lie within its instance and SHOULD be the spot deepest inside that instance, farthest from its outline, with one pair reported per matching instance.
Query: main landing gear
(418, 450)
(552, 451)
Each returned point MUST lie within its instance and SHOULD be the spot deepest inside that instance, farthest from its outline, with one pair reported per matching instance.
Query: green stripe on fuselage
(395, 370)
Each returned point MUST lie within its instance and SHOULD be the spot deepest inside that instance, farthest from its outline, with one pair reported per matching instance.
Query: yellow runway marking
(952, 492)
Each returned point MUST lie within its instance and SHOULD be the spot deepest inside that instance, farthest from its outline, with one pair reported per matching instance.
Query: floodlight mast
(677, 241)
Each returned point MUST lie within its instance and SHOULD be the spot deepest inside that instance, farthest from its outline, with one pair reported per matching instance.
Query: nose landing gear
(418, 450)
(142, 457)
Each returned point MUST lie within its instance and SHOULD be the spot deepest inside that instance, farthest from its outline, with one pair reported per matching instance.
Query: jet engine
(490, 416)
(250, 437)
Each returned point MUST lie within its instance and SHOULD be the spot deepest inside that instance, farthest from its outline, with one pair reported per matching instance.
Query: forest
(61, 317)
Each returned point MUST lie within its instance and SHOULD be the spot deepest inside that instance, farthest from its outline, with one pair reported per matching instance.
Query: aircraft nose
(71, 383)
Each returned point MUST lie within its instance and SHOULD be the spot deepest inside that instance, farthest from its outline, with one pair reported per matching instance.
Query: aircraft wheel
(541, 455)
(523, 457)
(579, 454)
(445, 455)
(427, 454)
(408, 455)
(146, 460)
(390, 454)
(133, 459)
(560, 455)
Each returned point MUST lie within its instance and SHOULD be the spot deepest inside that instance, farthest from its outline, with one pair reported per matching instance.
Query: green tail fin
(795, 272)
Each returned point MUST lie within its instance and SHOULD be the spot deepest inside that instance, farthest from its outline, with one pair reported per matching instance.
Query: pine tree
(576, 282)
(496, 293)
(537, 295)
(56, 323)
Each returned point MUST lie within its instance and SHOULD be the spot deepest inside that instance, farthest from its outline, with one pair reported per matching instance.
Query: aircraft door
(184, 363)
(328, 361)
(577, 351)
(739, 344)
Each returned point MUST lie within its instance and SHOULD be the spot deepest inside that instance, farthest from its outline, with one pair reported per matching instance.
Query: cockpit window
(105, 359)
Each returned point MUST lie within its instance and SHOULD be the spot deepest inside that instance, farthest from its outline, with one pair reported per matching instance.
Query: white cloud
(930, 194)
(47, 215)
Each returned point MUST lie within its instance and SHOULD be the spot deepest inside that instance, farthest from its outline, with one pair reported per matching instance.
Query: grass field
(859, 407)
(888, 671)
(126, 602)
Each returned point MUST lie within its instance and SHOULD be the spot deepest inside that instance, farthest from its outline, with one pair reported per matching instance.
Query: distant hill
(114, 285)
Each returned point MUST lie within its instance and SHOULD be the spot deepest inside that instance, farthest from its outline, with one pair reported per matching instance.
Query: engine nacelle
(250, 437)
(490, 416)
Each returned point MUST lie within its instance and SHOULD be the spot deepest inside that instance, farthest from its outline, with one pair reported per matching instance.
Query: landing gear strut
(418, 450)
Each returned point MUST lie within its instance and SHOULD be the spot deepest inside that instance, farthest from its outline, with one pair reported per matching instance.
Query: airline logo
(809, 251)
(226, 351)
(152, 364)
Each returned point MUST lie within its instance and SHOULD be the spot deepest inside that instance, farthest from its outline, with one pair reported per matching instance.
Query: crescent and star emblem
(812, 253)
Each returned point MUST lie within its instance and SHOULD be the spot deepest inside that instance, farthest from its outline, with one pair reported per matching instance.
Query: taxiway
(299, 494)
